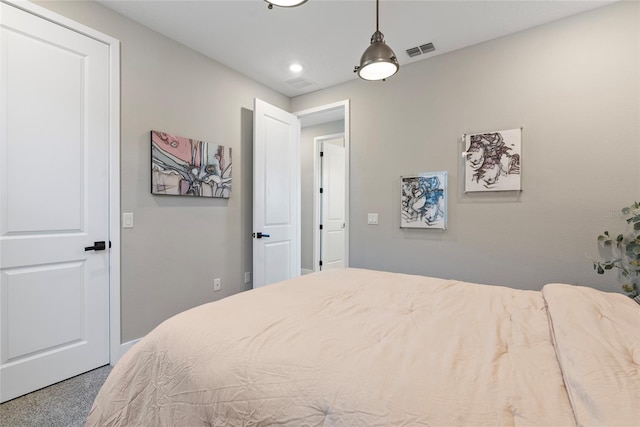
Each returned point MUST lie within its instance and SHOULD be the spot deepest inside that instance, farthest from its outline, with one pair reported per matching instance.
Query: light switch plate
(372, 219)
(127, 220)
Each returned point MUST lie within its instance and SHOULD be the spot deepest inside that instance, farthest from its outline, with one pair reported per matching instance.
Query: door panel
(276, 195)
(277, 170)
(34, 99)
(333, 206)
(277, 254)
(32, 291)
(54, 295)
(333, 244)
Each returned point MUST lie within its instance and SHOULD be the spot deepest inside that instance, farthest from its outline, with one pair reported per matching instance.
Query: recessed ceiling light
(296, 68)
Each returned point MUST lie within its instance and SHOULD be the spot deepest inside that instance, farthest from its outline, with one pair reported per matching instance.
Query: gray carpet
(65, 404)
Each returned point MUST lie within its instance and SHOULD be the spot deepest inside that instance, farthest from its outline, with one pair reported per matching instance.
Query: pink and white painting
(188, 167)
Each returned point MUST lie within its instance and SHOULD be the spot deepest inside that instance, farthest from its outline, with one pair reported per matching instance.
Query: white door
(276, 194)
(54, 201)
(333, 202)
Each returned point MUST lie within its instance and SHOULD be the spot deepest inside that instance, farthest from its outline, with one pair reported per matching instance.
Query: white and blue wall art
(424, 200)
(493, 160)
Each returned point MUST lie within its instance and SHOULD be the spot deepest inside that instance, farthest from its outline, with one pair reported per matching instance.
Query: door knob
(97, 246)
(260, 235)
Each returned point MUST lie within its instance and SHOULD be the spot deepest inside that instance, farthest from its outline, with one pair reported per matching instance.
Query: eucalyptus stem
(626, 247)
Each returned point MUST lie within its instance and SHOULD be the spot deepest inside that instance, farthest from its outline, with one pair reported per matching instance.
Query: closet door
(334, 203)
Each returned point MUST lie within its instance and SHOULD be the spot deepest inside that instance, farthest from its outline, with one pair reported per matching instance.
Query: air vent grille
(300, 82)
(414, 51)
(426, 48)
(419, 50)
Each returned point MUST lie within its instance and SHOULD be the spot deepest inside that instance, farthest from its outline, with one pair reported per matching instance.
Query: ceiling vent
(300, 82)
(419, 50)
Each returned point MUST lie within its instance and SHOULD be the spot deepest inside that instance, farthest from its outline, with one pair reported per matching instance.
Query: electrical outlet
(247, 277)
(216, 285)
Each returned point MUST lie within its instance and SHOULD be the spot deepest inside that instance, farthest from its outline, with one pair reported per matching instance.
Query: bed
(356, 347)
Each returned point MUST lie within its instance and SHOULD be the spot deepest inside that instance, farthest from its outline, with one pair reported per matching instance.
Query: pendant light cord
(377, 14)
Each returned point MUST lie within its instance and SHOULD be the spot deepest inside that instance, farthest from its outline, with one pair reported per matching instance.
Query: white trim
(114, 159)
(114, 201)
(347, 145)
(316, 204)
(306, 271)
(123, 348)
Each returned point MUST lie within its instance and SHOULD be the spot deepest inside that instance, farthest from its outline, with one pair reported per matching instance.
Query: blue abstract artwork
(424, 201)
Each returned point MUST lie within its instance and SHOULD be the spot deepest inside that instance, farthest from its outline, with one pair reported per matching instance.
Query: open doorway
(317, 125)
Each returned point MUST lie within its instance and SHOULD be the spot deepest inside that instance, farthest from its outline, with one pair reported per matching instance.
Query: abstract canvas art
(188, 167)
(424, 201)
(493, 160)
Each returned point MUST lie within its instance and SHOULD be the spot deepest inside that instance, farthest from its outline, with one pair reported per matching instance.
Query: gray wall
(573, 85)
(179, 245)
(306, 185)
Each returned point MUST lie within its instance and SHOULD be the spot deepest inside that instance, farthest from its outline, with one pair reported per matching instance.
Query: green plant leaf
(627, 248)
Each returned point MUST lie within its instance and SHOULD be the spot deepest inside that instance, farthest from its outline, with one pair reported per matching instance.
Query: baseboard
(126, 347)
(305, 271)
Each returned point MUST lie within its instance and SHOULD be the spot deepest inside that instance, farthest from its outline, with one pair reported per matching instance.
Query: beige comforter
(365, 348)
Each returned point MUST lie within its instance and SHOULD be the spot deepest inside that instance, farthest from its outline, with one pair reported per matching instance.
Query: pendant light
(284, 3)
(378, 61)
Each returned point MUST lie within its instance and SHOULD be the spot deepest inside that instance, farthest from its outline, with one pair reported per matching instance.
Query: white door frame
(114, 160)
(316, 185)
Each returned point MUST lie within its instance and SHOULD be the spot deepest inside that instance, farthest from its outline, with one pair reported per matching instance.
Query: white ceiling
(328, 36)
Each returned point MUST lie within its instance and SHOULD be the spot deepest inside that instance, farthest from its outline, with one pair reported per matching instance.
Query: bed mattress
(357, 347)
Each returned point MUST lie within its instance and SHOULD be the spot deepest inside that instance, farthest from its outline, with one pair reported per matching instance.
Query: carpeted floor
(65, 404)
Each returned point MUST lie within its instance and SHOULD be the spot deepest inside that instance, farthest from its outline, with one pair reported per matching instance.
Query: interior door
(54, 201)
(276, 194)
(333, 200)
